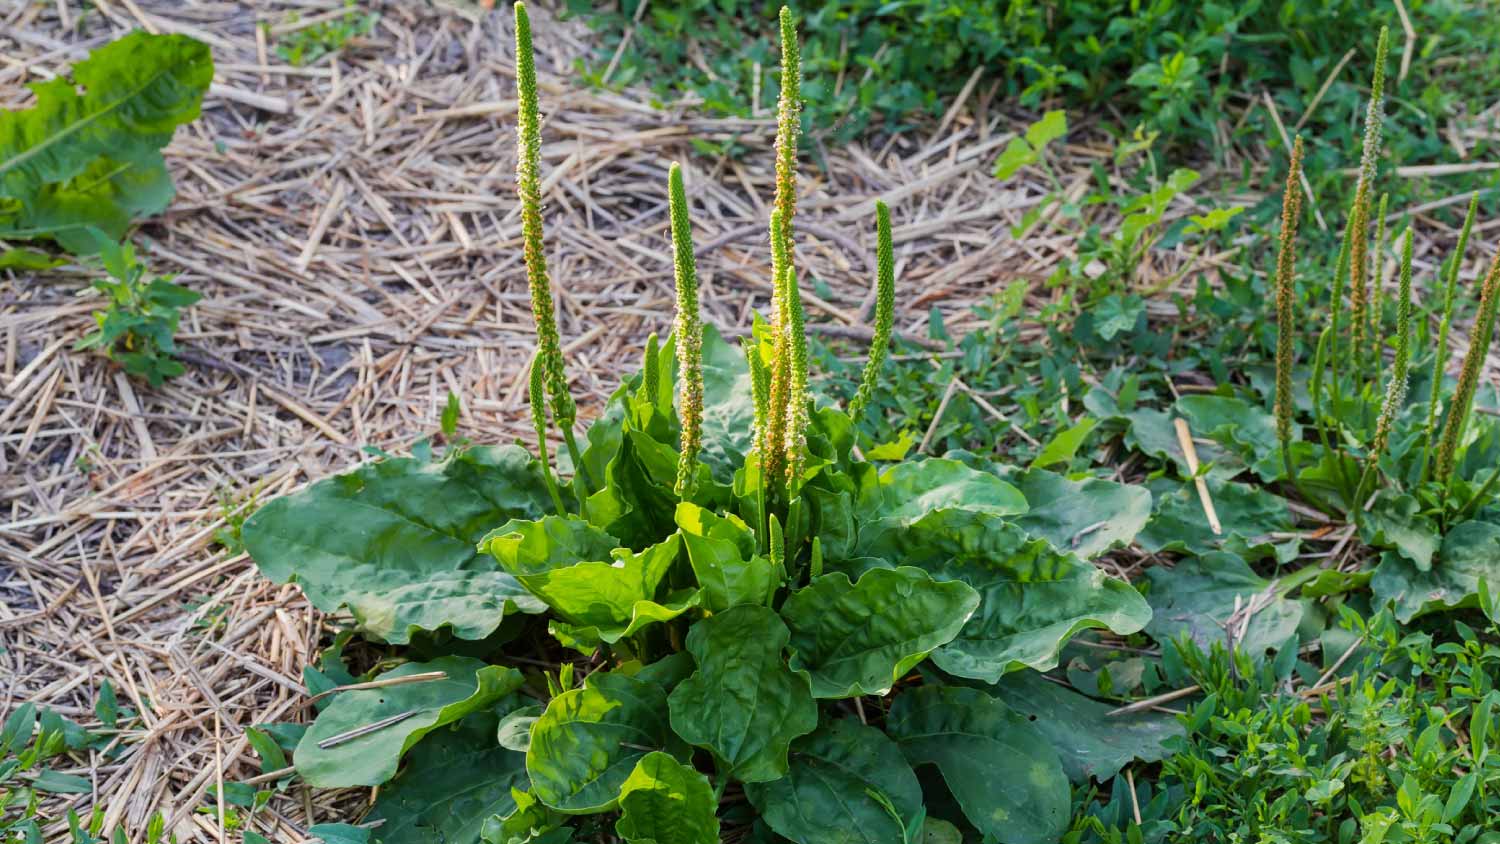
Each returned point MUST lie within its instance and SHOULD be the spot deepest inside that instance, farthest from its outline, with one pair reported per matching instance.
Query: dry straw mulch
(353, 230)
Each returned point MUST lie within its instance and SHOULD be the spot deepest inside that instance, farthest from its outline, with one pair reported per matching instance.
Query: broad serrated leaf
(1004, 774)
(829, 795)
(743, 703)
(858, 638)
(1033, 598)
(588, 740)
(454, 780)
(395, 541)
(406, 713)
(666, 802)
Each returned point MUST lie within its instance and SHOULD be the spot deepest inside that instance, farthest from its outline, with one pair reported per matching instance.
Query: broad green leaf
(558, 559)
(588, 741)
(1246, 429)
(585, 638)
(1004, 774)
(409, 712)
(1215, 220)
(513, 731)
(1033, 598)
(1153, 432)
(829, 794)
(1395, 521)
(1117, 314)
(743, 703)
(1085, 517)
(910, 490)
(1250, 516)
(666, 802)
(1062, 447)
(529, 822)
(728, 406)
(453, 781)
(93, 157)
(1470, 553)
(721, 550)
(857, 639)
(1089, 742)
(394, 541)
(1198, 596)
(55, 782)
(339, 833)
(1053, 125)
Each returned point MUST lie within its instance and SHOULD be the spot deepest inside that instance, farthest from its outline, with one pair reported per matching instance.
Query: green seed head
(1286, 260)
(885, 310)
(1480, 336)
(689, 330)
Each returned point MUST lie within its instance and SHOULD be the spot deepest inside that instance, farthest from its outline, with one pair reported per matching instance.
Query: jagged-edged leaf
(743, 703)
(1088, 741)
(93, 158)
(1085, 517)
(1470, 553)
(910, 490)
(1197, 596)
(394, 541)
(588, 740)
(859, 638)
(562, 560)
(529, 822)
(453, 781)
(1033, 598)
(332, 755)
(721, 550)
(1250, 516)
(666, 802)
(1004, 774)
(829, 795)
(1395, 521)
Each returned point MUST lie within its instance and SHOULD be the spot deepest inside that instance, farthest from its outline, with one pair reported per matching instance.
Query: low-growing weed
(310, 44)
(137, 328)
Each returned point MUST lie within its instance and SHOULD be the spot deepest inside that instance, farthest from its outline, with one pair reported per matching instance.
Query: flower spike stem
(539, 424)
(689, 329)
(529, 186)
(885, 311)
(1286, 261)
(1440, 354)
(1395, 391)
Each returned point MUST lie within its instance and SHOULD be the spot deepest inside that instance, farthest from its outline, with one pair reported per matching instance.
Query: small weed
(136, 329)
(309, 44)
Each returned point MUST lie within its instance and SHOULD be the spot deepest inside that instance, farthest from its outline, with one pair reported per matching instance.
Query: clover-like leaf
(1033, 598)
(394, 541)
(1005, 776)
(859, 638)
(833, 792)
(587, 742)
(666, 802)
(333, 753)
(743, 703)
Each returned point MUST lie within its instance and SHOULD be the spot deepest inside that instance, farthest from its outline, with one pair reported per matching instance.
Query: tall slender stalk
(1440, 353)
(529, 187)
(787, 407)
(1360, 214)
(1468, 380)
(885, 311)
(1377, 291)
(1395, 391)
(651, 372)
(689, 328)
(537, 394)
(1286, 261)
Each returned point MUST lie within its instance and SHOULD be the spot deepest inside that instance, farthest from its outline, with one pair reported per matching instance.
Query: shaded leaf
(666, 802)
(371, 758)
(1395, 521)
(743, 703)
(1085, 517)
(1198, 596)
(1250, 516)
(826, 796)
(1470, 553)
(1005, 776)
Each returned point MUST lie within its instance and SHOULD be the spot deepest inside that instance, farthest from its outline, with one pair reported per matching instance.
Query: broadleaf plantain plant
(1416, 477)
(768, 628)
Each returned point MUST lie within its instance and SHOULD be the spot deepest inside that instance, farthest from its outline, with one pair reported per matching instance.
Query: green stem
(1479, 497)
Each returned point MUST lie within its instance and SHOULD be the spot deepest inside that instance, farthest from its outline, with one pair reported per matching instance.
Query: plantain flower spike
(885, 310)
(778, 387)
(1395, 391)
(689, 329)
(1286, 261)
(785, 399)
(796, 408)
(760, 391)
(1360, 220)
(1440, 354)
(529, 186)
(1480, 335)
